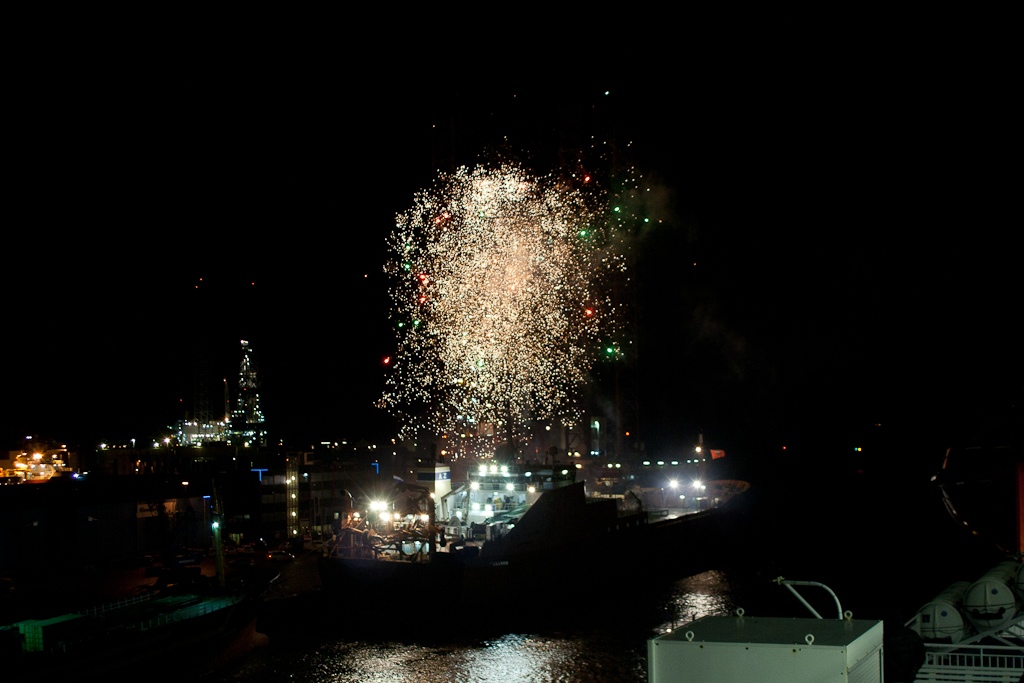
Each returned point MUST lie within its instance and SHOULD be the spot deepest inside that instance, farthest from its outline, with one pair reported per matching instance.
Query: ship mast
(218, 542)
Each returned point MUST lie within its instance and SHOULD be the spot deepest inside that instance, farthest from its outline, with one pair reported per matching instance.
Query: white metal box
(719, 649)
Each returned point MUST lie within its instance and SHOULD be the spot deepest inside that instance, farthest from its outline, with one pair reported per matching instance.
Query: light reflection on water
(508, 658)
(609, 647)
(702, 595)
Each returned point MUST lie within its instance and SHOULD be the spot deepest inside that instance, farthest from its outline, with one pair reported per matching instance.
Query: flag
(715, 455)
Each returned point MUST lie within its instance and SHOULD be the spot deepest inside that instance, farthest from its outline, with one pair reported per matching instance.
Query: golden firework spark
(500, 303)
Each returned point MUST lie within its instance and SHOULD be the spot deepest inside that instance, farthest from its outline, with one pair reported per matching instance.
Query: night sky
(835, 249)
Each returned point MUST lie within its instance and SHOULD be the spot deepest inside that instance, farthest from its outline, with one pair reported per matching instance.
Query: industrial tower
(247, 422)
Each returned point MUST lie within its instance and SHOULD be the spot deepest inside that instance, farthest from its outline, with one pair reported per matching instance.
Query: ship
(192, 618)
(772, 649)
(982, 488)
(510, 537)
(972, 631)
(971, 628)
(184, 630)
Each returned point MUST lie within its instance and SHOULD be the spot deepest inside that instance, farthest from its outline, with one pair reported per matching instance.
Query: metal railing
(972, 664)
(995, 656)
(191, 612)
(116, 604)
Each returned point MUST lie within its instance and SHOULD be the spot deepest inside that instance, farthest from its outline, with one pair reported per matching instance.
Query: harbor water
(880, 563)
(603, 641)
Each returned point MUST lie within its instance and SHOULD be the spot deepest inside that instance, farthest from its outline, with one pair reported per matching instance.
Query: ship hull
(565, 546)
(141, 640)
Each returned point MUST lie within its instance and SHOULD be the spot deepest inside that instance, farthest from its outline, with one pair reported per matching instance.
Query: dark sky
(849, 220)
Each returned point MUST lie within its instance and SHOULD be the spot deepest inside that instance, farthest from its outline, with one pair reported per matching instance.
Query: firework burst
(500, 304)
